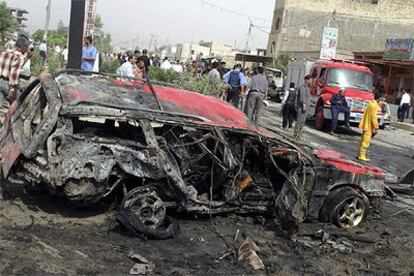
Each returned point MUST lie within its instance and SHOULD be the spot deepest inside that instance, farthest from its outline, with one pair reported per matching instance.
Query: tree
(282, 62)
(102, 40)
(7, 22)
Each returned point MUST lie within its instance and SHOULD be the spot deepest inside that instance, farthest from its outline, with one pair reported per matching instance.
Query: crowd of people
(245, 89)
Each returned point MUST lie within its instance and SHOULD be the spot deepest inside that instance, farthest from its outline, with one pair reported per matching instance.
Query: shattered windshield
(347, 78)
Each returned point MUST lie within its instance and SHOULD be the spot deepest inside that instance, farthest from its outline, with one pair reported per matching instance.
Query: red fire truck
(329, 76)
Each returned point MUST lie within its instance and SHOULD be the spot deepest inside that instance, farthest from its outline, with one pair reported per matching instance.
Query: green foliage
(282, 62)
(53, 37)
(54, 63)
(187, 81)
(109, 66)
(103, 43)
(168, 76)
(7, 22)
(36, 65)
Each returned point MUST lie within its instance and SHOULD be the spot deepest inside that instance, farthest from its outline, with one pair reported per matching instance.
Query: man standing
(303, 103)
(146, 59)
(404, 108)
(88, 55)
(43, 50)
(11, 64)
(369, 126)
(289, 106)
(237, 81)
(214, 74)
(127, 69)
(339, 104)
(258, 92)
(222, 69)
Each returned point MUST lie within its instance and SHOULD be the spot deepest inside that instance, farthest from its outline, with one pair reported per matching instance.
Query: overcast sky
(134, 22)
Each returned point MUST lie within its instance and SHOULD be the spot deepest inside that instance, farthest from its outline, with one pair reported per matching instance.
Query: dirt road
(40, 234)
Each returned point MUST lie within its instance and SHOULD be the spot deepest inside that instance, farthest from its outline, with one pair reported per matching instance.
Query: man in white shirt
(214, 74)
(126, 69)
(404, 106)
(65, 54)
(166, 64)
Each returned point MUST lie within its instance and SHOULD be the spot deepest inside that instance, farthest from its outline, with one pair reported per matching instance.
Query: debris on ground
(247, 253)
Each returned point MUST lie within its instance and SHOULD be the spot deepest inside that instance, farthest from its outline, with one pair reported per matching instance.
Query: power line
(231, 12)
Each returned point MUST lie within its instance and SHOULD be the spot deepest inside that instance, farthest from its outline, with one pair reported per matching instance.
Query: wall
(362, 26)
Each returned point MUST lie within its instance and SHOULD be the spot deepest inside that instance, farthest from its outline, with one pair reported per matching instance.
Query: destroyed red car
(90, 136)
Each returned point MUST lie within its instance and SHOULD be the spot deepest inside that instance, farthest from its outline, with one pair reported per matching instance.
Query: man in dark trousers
(339, 104)
(146, 59)
(237, 82)
(289, 106)
(302, 107)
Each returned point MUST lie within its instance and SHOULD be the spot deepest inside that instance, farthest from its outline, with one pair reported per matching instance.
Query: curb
(403, 126)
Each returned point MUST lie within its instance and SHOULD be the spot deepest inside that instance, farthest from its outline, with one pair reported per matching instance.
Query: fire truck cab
(329, 76)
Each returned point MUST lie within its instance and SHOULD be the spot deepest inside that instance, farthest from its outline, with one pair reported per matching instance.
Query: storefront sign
(329, 43)
(399, 49)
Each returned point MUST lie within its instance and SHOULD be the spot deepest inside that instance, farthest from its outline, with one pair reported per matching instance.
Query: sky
(132, 23)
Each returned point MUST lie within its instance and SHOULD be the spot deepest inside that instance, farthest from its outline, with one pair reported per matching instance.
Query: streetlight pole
(76, 29)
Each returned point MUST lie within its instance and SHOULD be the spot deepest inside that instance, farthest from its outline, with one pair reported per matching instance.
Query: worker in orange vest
(369, 126)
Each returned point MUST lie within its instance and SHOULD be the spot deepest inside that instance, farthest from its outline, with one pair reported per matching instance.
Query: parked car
(88, 136)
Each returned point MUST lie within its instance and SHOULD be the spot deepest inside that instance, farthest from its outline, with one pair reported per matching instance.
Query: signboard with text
(399, 49)
(329, 43)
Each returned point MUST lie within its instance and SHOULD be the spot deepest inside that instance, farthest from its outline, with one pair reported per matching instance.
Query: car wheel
(320, 121)
(143, 213)
(346, 207)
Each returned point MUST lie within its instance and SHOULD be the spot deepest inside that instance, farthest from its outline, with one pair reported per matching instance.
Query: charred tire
(143, 213)
(320, 121)
(345, 207)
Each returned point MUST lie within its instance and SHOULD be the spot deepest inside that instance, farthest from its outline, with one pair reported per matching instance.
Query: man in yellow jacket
(369, 126)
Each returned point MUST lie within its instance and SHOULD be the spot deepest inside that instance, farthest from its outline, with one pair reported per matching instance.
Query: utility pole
(150, 44)
(76, 29)
(247, 42)
(48, 8)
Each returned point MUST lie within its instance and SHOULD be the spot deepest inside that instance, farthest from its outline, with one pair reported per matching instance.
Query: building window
(277, 24)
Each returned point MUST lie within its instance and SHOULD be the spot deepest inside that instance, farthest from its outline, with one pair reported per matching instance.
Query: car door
(29, 122)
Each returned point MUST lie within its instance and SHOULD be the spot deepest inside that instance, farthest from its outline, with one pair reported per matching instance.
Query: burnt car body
(87, 136)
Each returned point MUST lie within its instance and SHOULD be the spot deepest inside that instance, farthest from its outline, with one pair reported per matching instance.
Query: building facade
(364, 25)
(90, 15)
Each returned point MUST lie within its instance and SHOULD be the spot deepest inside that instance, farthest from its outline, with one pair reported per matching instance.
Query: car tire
(143, 213)
(345, 207)
(320, 121)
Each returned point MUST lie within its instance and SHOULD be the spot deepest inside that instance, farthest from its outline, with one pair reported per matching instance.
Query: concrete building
(363, 25)
(19, 15)
(192, 51)
(90, 15)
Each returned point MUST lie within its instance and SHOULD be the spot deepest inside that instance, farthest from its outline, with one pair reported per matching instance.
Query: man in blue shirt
(237, 81)
(88, 55)
(339, 104)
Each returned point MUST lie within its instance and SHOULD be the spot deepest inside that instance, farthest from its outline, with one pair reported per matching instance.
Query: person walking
(237, 82)
(404, 108)
(258, 92)
(369, 126)
(339, 104)
(289, 106)
(302, 107)
(12, 62)
(89, 53)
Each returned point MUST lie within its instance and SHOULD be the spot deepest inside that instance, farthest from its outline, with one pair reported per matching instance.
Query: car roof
(344, 64)
(137, 94)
